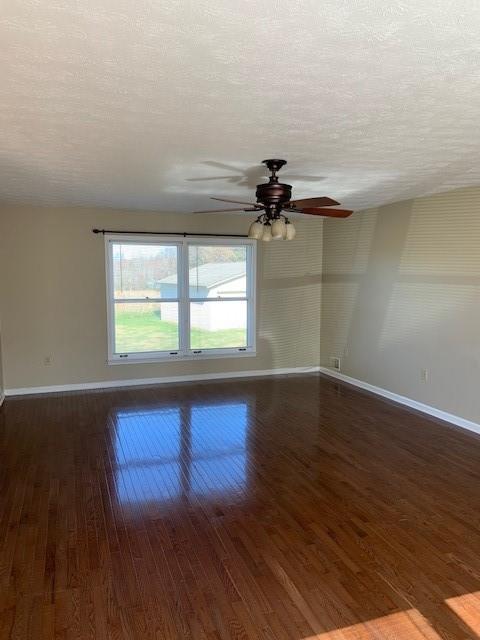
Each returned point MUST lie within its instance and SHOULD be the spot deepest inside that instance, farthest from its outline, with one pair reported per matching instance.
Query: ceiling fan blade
(224, 210)
(250, 204)
(329, 213)
(323, 201)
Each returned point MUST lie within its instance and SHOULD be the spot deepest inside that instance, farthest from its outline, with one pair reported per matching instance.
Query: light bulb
(291, 232)
(278, 229)
(267, 232)
(256, 230)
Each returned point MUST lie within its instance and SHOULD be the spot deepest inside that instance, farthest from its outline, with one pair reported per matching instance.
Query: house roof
(211, 274)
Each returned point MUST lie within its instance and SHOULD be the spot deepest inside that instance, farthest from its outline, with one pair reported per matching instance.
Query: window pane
(146, 326)
(144, 270)
(217, 271)
(218, 324)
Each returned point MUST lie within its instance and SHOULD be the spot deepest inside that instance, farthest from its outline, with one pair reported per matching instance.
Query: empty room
(240, 320)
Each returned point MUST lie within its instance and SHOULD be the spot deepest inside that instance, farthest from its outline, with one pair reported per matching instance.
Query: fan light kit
(273, 199)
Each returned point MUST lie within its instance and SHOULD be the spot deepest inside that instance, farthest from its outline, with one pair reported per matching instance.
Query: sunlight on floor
(467, 608)
(404, 625)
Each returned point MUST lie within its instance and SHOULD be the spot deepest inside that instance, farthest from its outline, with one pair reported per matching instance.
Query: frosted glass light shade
(256, 230)
(278, 229)
(267, 232)
(291, 232)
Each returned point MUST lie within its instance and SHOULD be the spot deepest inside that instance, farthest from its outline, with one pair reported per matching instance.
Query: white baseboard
(107, 384)
(414, 404)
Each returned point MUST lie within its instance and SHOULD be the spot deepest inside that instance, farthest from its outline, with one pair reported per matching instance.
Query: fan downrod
(273, 194)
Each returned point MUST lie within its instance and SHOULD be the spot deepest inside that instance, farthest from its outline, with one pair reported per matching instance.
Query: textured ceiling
(128, 104)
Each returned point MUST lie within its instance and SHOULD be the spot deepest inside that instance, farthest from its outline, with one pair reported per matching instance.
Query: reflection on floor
(162, 454)
(291, 508)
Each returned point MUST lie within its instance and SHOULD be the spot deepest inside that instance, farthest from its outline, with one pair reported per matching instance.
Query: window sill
(181, 358)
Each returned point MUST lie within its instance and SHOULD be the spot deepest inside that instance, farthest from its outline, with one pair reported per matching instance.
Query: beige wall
(1, 368)
(53, 296)
(401, 293)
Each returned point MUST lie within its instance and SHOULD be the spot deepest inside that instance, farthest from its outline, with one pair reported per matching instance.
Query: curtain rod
(170, 233)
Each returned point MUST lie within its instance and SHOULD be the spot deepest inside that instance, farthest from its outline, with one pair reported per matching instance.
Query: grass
(138, 331)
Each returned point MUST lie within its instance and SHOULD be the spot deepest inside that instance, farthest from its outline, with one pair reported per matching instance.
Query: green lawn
(144, 331)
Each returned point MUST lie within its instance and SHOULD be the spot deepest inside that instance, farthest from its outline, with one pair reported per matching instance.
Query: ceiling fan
(273, 201)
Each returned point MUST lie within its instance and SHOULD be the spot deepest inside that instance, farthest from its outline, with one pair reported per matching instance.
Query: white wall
(54, 296)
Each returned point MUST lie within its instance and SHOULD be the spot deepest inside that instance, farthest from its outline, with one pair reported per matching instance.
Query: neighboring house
(215, 280)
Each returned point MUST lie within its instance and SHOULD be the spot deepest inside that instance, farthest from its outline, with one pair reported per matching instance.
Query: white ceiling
(125, 103)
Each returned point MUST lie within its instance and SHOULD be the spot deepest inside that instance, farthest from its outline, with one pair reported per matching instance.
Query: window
(171, 299)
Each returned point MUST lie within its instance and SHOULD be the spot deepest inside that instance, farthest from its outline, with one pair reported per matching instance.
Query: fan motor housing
(273, 193)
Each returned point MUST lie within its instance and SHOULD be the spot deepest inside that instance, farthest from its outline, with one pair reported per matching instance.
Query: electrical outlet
(47, 361)
(335, 363)
(424, 375)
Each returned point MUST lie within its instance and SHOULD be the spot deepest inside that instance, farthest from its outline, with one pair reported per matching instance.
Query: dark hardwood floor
(288, 508)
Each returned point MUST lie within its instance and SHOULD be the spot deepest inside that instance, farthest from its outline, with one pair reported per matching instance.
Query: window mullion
(232, 299)
(144, 300)
(183, 311)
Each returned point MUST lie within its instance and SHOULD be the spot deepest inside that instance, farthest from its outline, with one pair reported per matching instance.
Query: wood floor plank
(294, 508)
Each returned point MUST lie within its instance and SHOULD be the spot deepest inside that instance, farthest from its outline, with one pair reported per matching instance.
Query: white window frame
(184, 351)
